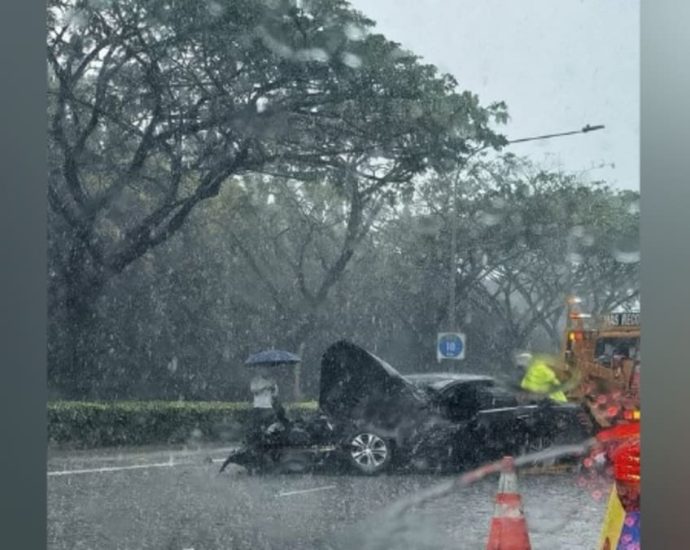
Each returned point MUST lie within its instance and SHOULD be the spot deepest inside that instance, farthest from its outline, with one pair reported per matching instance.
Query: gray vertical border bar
(23, 274)
(665, 209)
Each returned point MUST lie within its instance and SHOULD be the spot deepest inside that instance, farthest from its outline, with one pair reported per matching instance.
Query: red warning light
(626, 462)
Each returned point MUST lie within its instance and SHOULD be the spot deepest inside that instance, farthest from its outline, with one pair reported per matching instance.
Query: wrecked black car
(372, 418)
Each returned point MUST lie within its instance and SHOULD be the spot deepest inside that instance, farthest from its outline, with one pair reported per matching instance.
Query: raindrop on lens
(488, 219)
(351, 60)
(575, 258)
(312, 54)
(214, 8)
(577, 231)
(261, 104)
(354, 32)
(626, 257)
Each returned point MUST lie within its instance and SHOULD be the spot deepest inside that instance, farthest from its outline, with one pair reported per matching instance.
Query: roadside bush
(82, 424)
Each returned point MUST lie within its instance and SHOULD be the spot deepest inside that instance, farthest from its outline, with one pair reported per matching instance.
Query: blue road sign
(450, 345)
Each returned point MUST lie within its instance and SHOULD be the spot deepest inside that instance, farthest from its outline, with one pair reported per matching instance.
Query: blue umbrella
(272, 357)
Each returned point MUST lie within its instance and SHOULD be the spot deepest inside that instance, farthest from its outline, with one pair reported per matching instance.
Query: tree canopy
(227, 175)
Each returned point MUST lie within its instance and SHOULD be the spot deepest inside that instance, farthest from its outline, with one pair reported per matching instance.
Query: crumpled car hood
(357, 385)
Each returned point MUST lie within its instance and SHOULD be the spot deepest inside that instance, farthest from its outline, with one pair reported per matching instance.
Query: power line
(451, 301)
(584, 130)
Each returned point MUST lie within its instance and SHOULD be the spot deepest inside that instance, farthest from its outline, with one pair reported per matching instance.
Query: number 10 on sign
(450, 345)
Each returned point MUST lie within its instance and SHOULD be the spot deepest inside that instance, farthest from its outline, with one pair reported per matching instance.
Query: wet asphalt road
(175, 500)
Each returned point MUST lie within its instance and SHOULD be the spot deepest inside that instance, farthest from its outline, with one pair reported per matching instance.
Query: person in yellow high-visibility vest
(539, 377)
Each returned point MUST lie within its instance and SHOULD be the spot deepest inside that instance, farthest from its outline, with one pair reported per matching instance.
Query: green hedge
(119, 423)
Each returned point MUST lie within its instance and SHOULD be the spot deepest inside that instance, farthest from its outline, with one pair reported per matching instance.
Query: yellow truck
(601, 366)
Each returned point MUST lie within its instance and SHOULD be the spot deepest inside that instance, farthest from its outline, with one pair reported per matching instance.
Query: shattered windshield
(313, 267)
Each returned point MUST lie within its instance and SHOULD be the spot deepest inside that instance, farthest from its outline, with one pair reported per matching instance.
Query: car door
(459, 403)
(498, 426)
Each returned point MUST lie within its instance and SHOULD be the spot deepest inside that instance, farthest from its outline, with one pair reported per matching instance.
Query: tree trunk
(72, 369)
(297, 393)
(75, 380)
(299, 339)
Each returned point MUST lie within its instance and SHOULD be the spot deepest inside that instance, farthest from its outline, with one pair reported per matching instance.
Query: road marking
(168, 464)
(171, 462)
(130, 455)
(106, 469)
(290, 493)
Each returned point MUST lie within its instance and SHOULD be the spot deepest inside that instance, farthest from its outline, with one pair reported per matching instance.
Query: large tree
(527, 239)
(567, 237)
(154, 105)
(184, 320)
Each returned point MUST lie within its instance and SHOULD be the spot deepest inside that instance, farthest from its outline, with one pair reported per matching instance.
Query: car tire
(368, 452)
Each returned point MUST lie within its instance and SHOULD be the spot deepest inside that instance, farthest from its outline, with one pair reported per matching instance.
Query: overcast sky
(558, 64)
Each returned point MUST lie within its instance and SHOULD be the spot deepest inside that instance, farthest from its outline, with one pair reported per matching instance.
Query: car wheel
(368, 452)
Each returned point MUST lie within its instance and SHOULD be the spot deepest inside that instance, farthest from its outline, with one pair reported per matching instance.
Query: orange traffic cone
(508, 526)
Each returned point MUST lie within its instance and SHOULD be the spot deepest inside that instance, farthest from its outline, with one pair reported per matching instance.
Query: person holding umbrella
(264, 389)
(268, 417)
